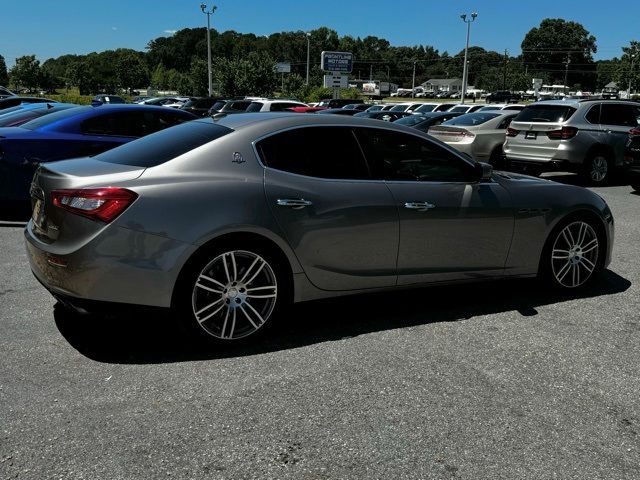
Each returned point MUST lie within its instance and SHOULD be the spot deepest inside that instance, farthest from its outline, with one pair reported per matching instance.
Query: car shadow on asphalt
(155, 338)
(575, 179)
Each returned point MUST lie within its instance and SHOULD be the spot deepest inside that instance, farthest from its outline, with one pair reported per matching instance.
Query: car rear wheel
(597, 169)
(573, 256)
(497, 159)
(232, 293)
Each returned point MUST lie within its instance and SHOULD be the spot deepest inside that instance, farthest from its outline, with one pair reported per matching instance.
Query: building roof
(442, 81)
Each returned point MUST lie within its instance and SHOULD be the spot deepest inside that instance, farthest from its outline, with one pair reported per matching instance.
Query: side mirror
(484, 171)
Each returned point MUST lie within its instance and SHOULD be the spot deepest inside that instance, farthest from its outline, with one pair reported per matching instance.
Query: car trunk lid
(451, 134)
(54, 224)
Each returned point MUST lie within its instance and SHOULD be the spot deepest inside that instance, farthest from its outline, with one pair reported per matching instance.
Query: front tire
(232, 293)
(573, 255)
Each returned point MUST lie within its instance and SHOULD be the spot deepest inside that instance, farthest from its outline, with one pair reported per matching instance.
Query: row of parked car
(592, 137)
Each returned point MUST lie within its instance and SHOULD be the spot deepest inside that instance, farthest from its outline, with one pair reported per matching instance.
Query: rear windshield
(54, 117)
(255, 107)
(399, 108)
(160, 147)
(545, 113)
(460, 109)
(25, 115)
(471, 119)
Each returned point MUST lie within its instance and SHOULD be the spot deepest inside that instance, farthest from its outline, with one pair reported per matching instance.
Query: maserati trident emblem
(237, 158)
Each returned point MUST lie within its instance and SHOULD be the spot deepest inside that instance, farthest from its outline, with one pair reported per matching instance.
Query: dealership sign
(338, 62)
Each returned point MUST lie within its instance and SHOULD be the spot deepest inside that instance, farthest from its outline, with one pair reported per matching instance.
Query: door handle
(419, 206)
(294, 203)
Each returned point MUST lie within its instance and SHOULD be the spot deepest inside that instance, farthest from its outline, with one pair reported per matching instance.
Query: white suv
(273, 105)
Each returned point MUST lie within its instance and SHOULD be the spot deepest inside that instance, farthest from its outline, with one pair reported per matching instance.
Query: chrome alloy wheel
(575, 254)
(599, 168)
(234, 295)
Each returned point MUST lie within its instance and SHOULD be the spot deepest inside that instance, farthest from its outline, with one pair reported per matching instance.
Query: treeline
(244, 63)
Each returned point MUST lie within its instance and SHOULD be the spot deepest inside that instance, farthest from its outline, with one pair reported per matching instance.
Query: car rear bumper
(119, 265)
(542, 166)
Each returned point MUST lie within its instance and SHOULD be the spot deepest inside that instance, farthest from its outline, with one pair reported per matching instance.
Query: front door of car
(342, 225)
(452, 226)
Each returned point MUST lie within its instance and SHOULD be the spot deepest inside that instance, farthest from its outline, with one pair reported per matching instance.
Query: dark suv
(632, 159)
(503, 96)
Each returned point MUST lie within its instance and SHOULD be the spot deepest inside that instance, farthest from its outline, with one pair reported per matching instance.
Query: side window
(593, 115)
(399, 156)
(617, 114)
(305, 151)
(127, 124)
(165, 120)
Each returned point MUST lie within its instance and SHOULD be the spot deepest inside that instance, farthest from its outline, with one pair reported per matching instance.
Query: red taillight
(565, 133)
(103, 204)
(512, 132)
(634, 132)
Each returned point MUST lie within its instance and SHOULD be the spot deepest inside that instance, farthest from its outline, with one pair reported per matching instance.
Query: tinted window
(399, 156)
(54, 117)
(593, 115)
(622, 115)
(218, 105)
(306, 151)
(505, 123)
(255, 107)
(461, 109)
(410, 120)
(545, 113)
(426, 108)
(123, 124)
(163, 146)
(282, 106)
(203, 102)
(471, 119)
(398, 108)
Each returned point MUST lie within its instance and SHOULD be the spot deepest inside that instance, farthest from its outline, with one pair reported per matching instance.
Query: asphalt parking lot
(504, 380)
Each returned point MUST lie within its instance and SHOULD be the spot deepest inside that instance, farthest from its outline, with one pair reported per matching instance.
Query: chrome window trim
(353, 126)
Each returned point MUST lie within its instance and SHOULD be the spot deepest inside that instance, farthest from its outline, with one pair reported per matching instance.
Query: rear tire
(232, 293)
(597, 168)
(497, 159)
(574, 254)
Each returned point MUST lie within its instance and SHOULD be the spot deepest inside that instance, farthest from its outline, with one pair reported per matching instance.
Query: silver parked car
(227, 221)
(479, 134)
(584, 136)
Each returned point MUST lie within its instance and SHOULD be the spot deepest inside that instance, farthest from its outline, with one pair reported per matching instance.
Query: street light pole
(633, 57)
(466, 52)
(308, 53)
(413, 82)
(203, 7)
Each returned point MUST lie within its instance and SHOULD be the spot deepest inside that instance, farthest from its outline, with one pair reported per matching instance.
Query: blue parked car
(71, 133)
(30, 111)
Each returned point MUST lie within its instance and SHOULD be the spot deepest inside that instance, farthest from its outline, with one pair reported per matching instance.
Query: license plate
(38, 213)
(531, 135)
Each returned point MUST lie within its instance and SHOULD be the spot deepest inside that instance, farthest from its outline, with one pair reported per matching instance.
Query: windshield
(398, 108)
(255, 107)
(471, 119)
(410, 120)
(54, 117)
(545, 113)
(460, 109)
(426, 108)
(165, 145)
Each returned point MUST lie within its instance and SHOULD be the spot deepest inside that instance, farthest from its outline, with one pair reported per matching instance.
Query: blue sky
(49, 29)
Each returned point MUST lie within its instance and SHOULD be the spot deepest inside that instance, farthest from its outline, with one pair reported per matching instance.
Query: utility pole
(633, 57)
(308, 53)
(504, 75)
(413, 83)
(466, 52)
(566, 72)
(203, 7)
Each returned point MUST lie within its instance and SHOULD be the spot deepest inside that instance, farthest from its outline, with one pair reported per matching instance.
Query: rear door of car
(452, 226)
(342, 225)
(616, 120)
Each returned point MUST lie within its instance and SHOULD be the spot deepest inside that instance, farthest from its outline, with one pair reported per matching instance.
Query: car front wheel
(573, 256)
(231, 293)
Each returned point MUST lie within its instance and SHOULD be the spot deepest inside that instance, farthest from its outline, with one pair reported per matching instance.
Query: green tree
(628, 67)
(26, 72)
(547, 48)
(4, 76)
(131, 69)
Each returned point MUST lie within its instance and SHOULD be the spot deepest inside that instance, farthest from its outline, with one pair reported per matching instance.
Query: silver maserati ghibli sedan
(227, 221)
